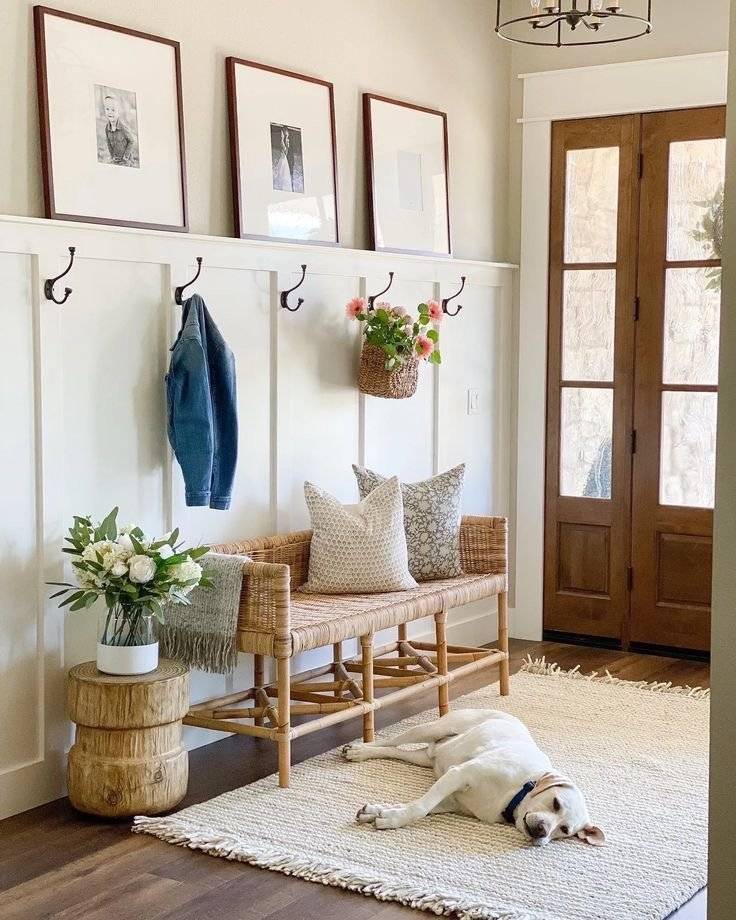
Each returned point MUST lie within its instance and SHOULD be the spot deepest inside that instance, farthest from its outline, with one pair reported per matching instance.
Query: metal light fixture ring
(568, 15)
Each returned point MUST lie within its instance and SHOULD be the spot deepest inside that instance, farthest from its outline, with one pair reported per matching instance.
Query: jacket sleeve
(191, 420)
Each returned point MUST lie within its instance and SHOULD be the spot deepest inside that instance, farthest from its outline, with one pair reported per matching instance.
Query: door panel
(592, 247)
(676, 376)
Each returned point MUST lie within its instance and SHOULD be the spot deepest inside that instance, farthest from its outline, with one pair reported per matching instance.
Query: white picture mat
(262, 98)
(398, 132)
(78, 56)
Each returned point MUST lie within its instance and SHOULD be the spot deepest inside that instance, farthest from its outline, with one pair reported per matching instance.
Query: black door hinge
(641, 165)
(633, 440)
(637, 306)
(630, 578)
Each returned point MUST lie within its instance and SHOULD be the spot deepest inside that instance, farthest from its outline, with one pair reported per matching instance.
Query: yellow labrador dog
(488, 766)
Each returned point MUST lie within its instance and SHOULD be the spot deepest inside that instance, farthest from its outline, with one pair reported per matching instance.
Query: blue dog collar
(508, 812)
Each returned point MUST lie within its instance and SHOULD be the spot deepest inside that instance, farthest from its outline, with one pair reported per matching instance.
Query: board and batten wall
(431, 52)
(84, 426)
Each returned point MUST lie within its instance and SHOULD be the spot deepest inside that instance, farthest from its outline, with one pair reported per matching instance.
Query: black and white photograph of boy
(116, 115)
(286, 158)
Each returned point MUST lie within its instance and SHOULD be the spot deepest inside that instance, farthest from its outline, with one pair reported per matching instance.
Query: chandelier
(572, 22)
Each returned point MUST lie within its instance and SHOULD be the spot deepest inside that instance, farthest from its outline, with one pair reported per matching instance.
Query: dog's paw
(385, 817)
(355, 752)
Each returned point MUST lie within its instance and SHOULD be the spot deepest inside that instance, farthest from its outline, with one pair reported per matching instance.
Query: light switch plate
(473, 401)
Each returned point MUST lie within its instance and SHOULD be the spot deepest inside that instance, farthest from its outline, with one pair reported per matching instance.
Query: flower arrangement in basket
(393, 345)
(135, 576)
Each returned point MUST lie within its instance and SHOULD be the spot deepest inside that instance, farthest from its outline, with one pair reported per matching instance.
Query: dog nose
(538, 831)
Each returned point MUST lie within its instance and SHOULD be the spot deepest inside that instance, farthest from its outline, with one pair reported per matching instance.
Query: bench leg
(443, 691)
(258, 678)
(366, 647)
(284, 703)
(336, 660)
(503, 641)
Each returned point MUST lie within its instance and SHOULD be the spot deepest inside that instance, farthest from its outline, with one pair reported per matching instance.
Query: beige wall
(410, 49)
(722, 849)
(680, 27)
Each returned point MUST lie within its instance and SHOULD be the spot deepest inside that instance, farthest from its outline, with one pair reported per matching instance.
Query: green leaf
(79, 605)
(72, 552)
(435, 358)
(433, 335)
(72, 598)
(199, 551)
(58, 593)
(137, 546)
(174, 536)
(108, 529)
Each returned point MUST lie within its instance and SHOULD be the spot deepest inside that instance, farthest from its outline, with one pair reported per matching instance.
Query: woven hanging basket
(375, 380)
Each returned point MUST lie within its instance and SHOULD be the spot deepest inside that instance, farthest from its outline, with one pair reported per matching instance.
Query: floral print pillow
(432, 512)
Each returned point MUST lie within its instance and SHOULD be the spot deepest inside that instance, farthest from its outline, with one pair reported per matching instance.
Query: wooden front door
(634, 293)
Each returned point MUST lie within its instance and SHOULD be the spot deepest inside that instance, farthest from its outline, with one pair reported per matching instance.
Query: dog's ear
(548, 780)
(592, 835)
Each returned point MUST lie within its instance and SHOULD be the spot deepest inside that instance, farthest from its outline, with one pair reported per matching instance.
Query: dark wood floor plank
(56, 863)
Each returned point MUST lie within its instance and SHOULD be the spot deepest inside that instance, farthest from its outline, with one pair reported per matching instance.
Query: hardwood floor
(56, 863)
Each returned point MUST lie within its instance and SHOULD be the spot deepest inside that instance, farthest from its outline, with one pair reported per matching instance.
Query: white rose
(186, 571)
(141, 569)
(166, 551)
(126, 545)
(107, 550)
(119, 568)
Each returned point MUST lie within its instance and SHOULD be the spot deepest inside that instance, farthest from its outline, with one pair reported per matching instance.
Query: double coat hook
(48, 287)
(372, 299)
(285, 294)
(446, 300)
(178, 291)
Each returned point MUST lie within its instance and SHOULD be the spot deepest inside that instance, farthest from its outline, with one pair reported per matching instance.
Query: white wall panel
(475, 349)
(21, 711)
(399, 433)
(114, 425)
(317, 395)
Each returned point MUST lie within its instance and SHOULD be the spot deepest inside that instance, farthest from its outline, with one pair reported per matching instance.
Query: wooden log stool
(127, 758)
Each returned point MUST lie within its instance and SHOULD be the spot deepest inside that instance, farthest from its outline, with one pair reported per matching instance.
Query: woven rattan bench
(276, 620)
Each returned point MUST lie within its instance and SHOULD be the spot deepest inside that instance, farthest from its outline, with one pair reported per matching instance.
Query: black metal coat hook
(448, 299)
(178, 291)
(285, 294)
(48, 287)
(372, 299)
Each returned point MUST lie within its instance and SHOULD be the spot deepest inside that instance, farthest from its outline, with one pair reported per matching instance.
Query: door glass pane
(692, 309)
(586, 427)
(591, 205)
(695, 209)
(688, 453)
(588, 313)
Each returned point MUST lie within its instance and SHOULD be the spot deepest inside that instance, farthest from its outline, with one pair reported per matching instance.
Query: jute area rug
(638, 751)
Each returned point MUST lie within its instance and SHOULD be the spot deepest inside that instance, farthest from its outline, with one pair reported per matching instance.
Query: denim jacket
(202, 414)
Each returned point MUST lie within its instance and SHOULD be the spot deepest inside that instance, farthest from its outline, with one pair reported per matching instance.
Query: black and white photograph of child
(286, 158)
(116, 115)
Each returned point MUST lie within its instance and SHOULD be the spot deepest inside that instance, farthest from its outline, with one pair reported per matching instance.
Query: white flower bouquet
(132, 573)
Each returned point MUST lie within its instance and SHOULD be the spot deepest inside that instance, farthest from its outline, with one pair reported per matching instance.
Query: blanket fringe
(550, 669)
(189, 834)
(205, 651)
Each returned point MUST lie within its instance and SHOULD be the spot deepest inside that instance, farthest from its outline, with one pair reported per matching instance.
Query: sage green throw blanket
(203, 634)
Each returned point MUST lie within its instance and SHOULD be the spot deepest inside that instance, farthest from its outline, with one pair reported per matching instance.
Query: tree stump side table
(127, 758)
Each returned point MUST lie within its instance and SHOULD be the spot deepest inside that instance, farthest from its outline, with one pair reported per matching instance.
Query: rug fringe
(551, 669)
(188, 834)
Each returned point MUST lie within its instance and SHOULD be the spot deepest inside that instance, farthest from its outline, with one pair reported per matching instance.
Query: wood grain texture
(55, 862)
(127, 756)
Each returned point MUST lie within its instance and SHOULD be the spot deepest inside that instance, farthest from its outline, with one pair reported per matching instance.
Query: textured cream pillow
(357, 549)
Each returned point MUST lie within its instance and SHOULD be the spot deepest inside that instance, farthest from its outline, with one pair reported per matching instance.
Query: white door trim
(687, 81)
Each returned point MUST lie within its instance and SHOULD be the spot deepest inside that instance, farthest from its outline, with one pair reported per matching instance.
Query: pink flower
(399, 311)
(354, 307)
(383, 305)
(435, 311)
(424, 346)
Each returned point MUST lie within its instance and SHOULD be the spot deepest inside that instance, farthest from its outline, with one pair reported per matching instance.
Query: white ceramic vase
(127, 659)
(126, 642)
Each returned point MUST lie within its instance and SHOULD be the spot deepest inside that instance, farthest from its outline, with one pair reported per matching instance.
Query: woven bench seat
(323, 619)
(276, 620)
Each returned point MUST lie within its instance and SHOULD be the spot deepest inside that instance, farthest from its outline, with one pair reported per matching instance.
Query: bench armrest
(484, 545)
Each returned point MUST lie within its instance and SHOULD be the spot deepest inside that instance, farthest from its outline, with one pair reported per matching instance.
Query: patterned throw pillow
(432, 512)
(357, 549)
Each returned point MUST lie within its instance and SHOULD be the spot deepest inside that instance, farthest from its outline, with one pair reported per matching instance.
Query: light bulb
(596, 6)
(536, 4)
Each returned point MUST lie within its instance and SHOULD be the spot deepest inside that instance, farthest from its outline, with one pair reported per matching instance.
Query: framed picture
(112, 128)
(407, 161)
(282, 152)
